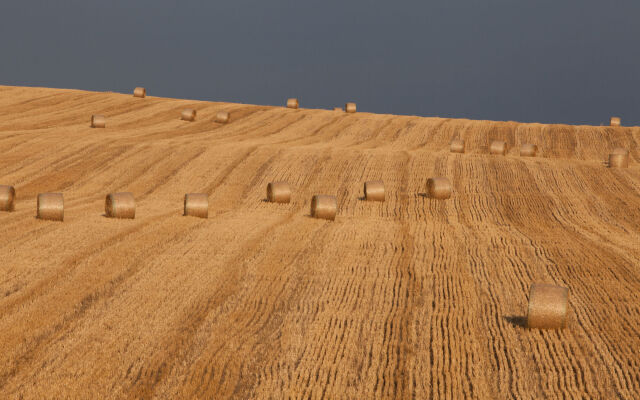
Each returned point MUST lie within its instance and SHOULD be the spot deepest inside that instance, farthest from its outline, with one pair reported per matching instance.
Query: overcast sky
(540, 61)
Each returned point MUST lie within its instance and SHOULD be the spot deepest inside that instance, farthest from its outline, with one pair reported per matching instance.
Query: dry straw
(457, 146)
(324, 206)
(51, 206)
(548, 306)
(498, 147)
(222, 117)
(615, 121)
(337, 109)
(292, 103)
(188, 114)
(7, 198)
(618, 160)
(278, 192)
(374, 191)
(350, 107)
(438, 188)
(120, 205)
(196, 205)
(98, 121)
(528, 150)
(620, 150)
(140, 92)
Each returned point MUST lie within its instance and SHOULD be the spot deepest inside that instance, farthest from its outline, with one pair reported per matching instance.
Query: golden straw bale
(292, 103)
(196, 205)
(7, 198)
(548, 306)
(620, 150)
(498, 147)
(337, 108)
(222, 117)
(140, 92)
(120, 205)
(188, 114)
(324, 206)
(615, 121)
(457, 146)
(98, 121)
(439, 188)
(374, 191)
(528, 150)
(278, 192)
(618, 160)
(350, 107)
(51, 206)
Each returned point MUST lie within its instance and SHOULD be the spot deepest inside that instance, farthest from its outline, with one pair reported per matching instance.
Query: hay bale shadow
(517, 320)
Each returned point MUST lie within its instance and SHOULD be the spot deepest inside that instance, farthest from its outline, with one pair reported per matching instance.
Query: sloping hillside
(410, 298)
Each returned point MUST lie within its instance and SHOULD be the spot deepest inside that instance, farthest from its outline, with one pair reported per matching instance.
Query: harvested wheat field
(413, 297)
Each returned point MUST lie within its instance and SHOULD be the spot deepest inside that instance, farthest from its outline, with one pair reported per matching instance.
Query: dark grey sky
(542, 61)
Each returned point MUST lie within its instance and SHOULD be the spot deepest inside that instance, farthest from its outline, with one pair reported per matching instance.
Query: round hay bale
(7, 198)
(498, 147)
(615, 121)
(140, 92)
(278, 192)
(51, 206)
(618, 160)
(292, 103)
(324, 206)
(528, 150)
(222, 117)
(188, 114)
(337, 108)
(374, 191)
(438, 188)
(548, 306)
(350, 107)
(620, 150)
(98, 121)
(457, 146)
(120, 205)
(196, 205)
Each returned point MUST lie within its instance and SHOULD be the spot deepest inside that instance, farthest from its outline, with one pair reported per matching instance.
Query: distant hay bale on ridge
(374, 191)
(98, 121)
(278, 192)
(457, 146)
(292, 103)
(196, 205)
(324, 207)
(438, 188)
(498, 147)
(7, 198)
(50, 206)
(350, 107)
(337, 108)
(120, 205)
(615, 121)
(548, 306)
(140, 92)
(618, 160)
(188, 114)
(528, 150)
(222, 117)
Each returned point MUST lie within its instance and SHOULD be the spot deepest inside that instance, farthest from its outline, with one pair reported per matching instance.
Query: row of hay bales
(619, 158)
(348, 107)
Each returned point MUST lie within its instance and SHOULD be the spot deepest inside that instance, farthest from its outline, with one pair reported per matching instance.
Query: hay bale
(278, 192)
(438, 188)
(374, 191)
(615, 121)
(222, 117)
(120, 205)
(350, 107)
(337, 109)
(498, 147)
(140, 92)
(618, 160)
(188, 114)
(548, 306)
(98, 121)
(196, 205)
(528, 150)
(457, 146)
(7, 198)
(51, 206)
(620, 150)
(324, 206)
(292, 103)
